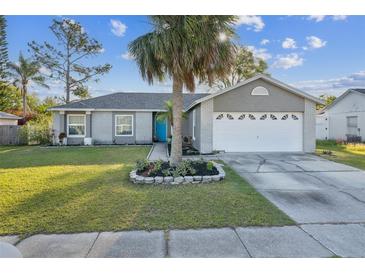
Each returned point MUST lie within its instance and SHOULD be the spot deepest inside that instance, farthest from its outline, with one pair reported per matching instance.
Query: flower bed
(160, 172)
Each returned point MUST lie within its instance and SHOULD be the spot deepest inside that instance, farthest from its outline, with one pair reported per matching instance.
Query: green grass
(349, 154)
(54, 190)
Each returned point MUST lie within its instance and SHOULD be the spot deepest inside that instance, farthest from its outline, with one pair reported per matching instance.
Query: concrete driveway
(326, 199)
(306, 187)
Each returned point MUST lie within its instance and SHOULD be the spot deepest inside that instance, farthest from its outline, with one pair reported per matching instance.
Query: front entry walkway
(159, 152)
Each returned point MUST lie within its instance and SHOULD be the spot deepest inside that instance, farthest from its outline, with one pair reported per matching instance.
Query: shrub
(36, 132)
(167, 172)
(185, 168)
(142, 165)
(210, 166)
(157, 167)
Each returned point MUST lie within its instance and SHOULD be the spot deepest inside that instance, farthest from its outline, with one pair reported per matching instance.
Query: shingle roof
(129, 100)
(4, 115)
(361, 90)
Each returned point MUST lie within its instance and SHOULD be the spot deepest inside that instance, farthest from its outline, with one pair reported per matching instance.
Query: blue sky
(319, 54)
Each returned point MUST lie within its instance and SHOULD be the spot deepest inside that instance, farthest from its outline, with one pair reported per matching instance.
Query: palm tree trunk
(24, 95)
(177, 108)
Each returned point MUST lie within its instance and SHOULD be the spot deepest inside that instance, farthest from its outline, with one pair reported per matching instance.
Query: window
(242, 117)
(294, 117)
(123, 125)
(263, 117)
(220, 116)
(259, 91)
(352, 125)
(273, 117)
(229, 116)
(285, 117)
(76, 125)
(194, 124)
(251, 117)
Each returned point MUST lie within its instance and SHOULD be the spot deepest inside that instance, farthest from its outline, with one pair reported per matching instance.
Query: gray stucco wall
(56, 126)
(88, 125)
(124, 139)
(309, 126)
(102, 131)
(188, 126)
(240, 99)
(143, 127)
(206, 126)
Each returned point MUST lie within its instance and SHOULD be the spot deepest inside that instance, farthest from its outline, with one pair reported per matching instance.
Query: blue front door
(161, 130)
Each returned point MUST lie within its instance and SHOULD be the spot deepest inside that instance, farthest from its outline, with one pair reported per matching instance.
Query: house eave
(106, 109)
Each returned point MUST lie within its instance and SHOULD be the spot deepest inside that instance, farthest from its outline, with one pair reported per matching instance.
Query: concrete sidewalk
(310, 240)
(159, 152)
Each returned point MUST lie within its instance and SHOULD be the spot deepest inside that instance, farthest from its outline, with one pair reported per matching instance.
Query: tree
(65, 62)
(23, 73)
(168, 114)
(328, 100)
(244, 67)
(185, 49)
(10, 98)
(3, 49)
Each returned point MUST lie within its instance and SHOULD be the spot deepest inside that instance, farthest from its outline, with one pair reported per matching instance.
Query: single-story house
(258, 114)
(7, 119)
(344, 117)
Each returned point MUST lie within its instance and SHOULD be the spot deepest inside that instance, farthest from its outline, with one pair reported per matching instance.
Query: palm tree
(184, 49)
(24, 72)
(168, 114)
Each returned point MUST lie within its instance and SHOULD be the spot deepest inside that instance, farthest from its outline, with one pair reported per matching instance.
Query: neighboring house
(344, 117)
(259, 114)
(7, 119)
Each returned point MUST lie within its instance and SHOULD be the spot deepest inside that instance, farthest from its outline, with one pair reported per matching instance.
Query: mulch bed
(199, 166)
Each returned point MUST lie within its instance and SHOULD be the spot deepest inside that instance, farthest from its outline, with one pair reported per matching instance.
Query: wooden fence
(10, 135)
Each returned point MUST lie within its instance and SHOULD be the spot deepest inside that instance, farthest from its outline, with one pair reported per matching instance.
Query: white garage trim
(258, 131)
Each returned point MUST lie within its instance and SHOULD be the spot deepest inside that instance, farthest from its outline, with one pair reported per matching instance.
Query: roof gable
(266, 78)
(342, 96)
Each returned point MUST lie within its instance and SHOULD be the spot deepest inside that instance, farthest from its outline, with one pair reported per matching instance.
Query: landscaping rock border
(137, 179)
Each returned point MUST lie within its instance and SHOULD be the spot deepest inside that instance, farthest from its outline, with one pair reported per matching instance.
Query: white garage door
(257, 131)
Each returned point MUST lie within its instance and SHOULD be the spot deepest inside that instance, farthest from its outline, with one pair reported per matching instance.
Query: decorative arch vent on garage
(251, 116)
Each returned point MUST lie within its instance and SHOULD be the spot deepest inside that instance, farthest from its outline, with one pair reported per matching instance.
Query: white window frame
(194, 124)
(348, 126)
(68, 126)
(115, 125)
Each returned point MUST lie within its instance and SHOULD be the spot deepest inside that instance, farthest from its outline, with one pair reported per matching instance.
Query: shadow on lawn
(98, 203)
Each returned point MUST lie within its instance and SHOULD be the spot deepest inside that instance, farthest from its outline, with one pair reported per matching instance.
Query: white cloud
(252, 21)
(264, 42)
(339, 17)
(320, 18)
(289, 43)
(288, 61)
(102, 50)
(261, 53)
(118, 28)
(314, 42)
(127, 56)
(317, 18)
(334, 86)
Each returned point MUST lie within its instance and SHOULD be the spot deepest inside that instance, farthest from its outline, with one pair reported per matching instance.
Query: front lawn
(54, 190)
(349, 154)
